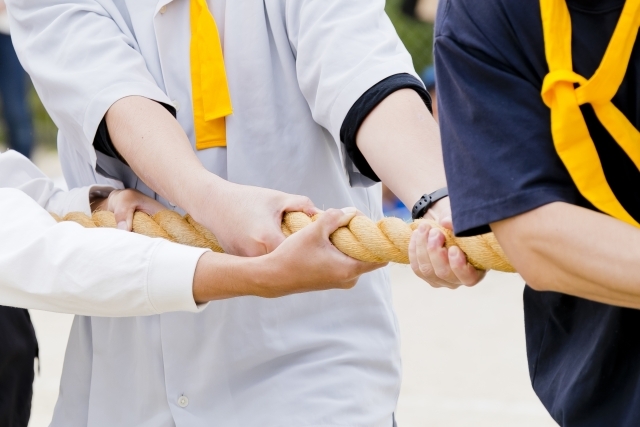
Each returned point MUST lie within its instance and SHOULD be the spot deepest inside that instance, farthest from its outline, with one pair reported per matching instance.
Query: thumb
(124, 217)
(333, 219)
(300, 204)
(447, 223)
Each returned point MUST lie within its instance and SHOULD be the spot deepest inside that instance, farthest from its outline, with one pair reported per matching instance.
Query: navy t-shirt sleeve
(496, 133)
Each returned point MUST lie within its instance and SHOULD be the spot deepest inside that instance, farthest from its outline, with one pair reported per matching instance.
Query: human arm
(106, 272)
(18, 172)
(569, 249)
(305, 261)
(130, 99)
(157, 149)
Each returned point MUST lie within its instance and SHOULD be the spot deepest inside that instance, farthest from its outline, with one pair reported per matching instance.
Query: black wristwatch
(426, 201)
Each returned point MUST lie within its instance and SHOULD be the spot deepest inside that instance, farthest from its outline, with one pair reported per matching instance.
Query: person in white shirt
(104, 272)
(313, 98)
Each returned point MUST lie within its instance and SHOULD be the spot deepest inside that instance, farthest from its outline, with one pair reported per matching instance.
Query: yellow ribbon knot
(571, 136)
(561, 80)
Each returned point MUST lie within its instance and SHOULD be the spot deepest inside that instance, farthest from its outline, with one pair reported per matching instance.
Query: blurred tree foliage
(417, 37)
(44, 128)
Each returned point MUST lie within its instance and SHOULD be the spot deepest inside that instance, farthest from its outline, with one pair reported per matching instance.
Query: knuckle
(426, 270)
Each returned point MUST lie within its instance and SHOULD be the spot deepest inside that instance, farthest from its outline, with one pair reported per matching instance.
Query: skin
(151, 140)
(565, 248)
(298, 265)
(411, 169)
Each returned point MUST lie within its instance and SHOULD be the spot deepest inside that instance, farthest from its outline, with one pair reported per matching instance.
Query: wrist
(221, 276)
(202, 188)
(428, 202)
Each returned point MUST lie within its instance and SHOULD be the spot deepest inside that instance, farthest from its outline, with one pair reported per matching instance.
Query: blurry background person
(13, 92)
(18, 344)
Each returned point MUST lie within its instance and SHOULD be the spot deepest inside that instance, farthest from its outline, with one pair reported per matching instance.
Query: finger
(465, 272)
(419, 257)
(413, 257)
(439, 256)
(423, 261)
(124, 217)
(272, 241)
(300, 204)
(447, 223)
(333, 219)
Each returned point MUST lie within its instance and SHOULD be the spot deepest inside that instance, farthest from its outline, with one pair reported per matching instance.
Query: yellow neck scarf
(570, 134)
(210, 92)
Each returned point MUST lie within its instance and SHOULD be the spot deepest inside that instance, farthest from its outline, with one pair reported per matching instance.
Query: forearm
(154, 145)
(221, 276)
(568, 249)
(401, 141)
(99, 272)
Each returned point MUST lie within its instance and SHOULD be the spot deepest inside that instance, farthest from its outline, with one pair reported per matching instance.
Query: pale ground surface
(463, 352)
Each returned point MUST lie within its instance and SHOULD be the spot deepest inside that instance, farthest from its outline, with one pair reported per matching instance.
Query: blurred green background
(417, 37)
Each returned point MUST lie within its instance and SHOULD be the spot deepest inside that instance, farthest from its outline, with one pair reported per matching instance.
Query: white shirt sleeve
(82, 57)
(66, 268)
(16, 171)
(342, 49)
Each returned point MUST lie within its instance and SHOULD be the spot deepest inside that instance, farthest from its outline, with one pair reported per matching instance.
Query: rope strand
(384, 241)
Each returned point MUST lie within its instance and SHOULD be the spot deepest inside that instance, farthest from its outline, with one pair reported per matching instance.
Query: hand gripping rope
(384, 241)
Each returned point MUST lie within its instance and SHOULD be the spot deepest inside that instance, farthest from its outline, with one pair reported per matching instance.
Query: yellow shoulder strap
(570, 133)
(210, 91)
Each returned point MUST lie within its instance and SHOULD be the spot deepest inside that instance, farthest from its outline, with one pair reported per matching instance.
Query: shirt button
(163, 9)
(176, 105)
(183, 401)
(172, 205)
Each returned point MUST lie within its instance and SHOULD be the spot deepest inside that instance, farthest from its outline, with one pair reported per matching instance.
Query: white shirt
(295, 68)
(66, 268)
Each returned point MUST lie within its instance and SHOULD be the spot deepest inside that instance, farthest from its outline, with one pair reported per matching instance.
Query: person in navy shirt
(504, 175)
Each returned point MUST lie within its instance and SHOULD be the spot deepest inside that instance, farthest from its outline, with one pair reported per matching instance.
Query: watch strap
(427, 201)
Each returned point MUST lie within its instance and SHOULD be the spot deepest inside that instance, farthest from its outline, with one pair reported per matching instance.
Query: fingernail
(454, 252)
(433, 233)
(122, 225)
(349, 211)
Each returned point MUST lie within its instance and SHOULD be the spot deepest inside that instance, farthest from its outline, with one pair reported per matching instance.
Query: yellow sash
(210, 91)
(570, 134)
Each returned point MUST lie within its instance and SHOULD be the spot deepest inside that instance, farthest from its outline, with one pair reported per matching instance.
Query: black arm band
(426, 201)
(102, 141)
(364, 105)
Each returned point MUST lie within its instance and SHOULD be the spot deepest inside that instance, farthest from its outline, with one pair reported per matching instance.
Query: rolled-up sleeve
(82, 58)
(342, 49)
(63, 267)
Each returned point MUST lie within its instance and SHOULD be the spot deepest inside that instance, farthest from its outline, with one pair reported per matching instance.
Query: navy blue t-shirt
(584, 357)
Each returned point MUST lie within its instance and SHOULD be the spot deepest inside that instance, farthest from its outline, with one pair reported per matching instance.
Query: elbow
(524, 249)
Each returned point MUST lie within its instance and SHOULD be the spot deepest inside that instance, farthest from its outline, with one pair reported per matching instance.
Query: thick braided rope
(385, 241)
